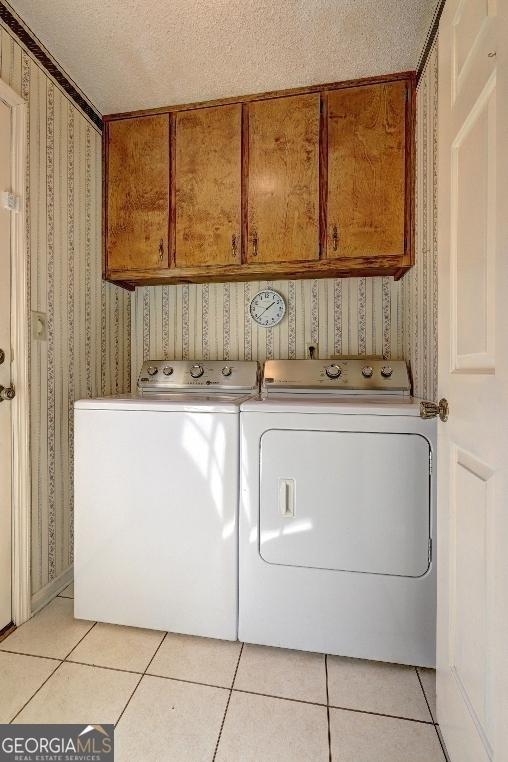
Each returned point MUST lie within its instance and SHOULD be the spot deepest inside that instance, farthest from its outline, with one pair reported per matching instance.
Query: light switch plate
(10, 201)
(39, 326)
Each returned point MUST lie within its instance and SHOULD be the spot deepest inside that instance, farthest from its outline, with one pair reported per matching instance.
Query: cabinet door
(283, 179)
(137, 189)
(366, 171)
(208, 182)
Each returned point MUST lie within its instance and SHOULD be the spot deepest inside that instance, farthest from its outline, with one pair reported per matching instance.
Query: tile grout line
(442, 743)
(380, 714)
(128, 702)
(425, 696)
(328, 711)
(280, 698)
(103, 666)
(39, 656)
(227, 704)
(36, 692)
(33, 656)
(53, 673)
(205, 685)
(155, 653)
(436, 727)
(141, 676)
(79, 641)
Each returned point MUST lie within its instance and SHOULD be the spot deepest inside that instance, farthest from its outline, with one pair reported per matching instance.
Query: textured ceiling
(132, 54)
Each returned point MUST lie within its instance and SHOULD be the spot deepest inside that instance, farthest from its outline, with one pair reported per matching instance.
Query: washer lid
(353, 405)
(181, 403)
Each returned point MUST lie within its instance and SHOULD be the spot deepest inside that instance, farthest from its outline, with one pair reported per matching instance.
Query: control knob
(386, 371)
(197, 371)
(333, 371)
(227, 370)
(152, 370)
(367, 371)
(167, 370)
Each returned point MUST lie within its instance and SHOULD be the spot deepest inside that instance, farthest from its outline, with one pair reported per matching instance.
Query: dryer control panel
(336, 376)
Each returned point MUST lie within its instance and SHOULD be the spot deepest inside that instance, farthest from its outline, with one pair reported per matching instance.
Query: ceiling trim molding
(33, 45)
(429, 42)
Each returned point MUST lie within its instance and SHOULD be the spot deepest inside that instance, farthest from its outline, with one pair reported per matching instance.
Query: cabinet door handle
(233, 245)
(254, 244)
(335, 237)
(161, 250)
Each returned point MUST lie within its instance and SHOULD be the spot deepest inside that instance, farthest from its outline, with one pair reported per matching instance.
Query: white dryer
(156, 499)
(337, 513)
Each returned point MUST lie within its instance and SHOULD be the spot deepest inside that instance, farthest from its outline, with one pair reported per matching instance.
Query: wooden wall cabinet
(283, 179)
(366, 156)
(208, 183)
(315, 182)
(136, 197)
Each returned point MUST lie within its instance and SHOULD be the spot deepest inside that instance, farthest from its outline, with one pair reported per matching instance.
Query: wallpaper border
(33, 45)
(430, 39)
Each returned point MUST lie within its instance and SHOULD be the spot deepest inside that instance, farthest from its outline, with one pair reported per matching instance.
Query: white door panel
(472, 656)
(5, 373)
(472, 248)
(317, 509)
(470, 579)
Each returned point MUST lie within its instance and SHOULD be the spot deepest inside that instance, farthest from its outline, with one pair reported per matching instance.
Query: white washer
(156, 499)
(337, 513)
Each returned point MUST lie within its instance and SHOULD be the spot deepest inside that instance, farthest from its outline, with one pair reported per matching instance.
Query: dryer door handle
(287, 497)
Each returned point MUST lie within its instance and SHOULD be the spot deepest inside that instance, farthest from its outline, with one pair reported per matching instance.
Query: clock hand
(266, 308)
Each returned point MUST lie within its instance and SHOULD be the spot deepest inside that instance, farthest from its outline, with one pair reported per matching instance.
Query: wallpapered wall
(419, 285)
(212, 321)
(88, 341)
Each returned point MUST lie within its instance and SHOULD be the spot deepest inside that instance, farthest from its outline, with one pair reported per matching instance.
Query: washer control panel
(336, 376)
(167, 376)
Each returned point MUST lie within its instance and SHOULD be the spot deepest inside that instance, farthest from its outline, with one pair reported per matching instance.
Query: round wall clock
(267, 308)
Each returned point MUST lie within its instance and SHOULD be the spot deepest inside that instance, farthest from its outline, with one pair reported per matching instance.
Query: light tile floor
(174, 697)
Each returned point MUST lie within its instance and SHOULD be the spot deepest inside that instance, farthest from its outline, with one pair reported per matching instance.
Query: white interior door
(472, 680)
(5, 373)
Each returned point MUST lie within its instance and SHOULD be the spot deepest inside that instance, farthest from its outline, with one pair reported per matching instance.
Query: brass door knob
(7, 393)
(433, 409)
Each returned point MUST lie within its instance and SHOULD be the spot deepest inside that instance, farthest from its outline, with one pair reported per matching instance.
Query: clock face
(267, 308)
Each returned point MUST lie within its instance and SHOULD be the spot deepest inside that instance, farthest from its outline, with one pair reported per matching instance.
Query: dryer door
(349, 501)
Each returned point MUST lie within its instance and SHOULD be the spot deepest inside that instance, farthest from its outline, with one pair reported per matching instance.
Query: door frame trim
(21, 477)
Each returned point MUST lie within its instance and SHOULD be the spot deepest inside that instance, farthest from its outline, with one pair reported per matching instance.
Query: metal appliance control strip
(336, 377)
(210, 376)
